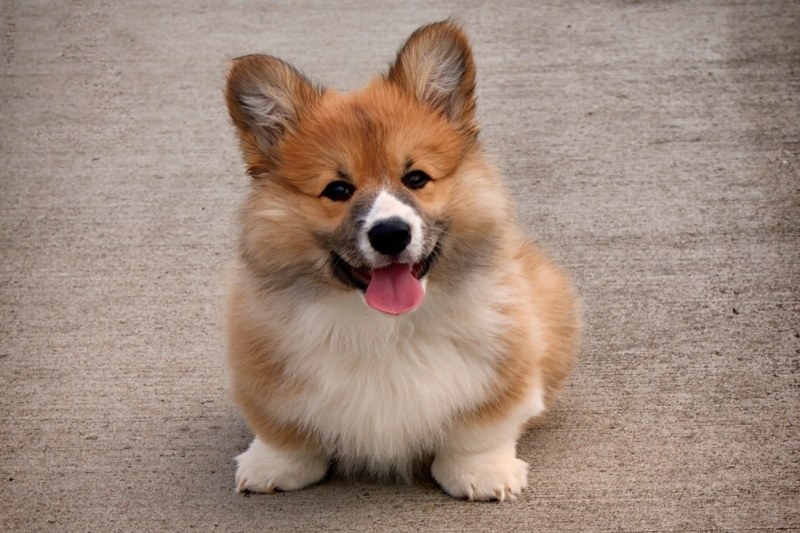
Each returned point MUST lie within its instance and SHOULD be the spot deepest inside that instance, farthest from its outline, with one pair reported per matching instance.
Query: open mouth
(360, 278)
(394, 289)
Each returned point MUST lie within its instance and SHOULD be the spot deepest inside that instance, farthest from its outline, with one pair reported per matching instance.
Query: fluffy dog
(386, 311)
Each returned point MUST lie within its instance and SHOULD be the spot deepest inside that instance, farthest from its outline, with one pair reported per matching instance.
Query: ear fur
(265, 98)
(436, 66)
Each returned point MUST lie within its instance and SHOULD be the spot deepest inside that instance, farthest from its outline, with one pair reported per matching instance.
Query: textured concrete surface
(654, 148)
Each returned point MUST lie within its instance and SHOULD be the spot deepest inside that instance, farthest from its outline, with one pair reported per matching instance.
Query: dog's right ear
(265, 99)
(436, 66)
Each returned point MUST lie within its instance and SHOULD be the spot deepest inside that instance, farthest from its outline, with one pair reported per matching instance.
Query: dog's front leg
(280, 458)
(268, 468)
(478, 459)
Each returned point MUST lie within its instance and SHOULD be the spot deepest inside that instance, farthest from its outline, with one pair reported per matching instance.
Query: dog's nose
(390, 237)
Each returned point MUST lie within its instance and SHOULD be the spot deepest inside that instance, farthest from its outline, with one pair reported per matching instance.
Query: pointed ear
(436, 66)
(265, 99)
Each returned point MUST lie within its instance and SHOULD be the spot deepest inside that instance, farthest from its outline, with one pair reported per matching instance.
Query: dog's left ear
(266, 99)
(436, 66)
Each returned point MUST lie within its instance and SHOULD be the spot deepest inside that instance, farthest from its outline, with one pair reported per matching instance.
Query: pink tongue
(394, 290)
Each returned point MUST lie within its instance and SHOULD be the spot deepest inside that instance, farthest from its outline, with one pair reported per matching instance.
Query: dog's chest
(385, 392)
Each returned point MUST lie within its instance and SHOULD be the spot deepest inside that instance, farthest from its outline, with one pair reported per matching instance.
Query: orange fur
(296, 138)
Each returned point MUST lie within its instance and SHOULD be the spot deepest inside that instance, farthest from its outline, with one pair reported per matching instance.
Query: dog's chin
(359, 277)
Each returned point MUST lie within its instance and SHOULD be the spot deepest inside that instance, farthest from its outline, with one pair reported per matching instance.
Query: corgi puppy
(386, 311)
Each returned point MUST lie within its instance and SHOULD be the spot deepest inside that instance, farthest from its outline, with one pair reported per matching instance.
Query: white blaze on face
(387, 206)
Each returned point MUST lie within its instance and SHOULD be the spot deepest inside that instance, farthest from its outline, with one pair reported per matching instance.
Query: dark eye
(339, 191)
(416, 179)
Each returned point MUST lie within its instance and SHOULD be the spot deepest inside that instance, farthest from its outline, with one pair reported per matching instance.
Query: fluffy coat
(320, 376)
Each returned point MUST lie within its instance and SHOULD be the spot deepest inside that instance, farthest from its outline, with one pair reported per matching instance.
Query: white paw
(481, 477)
(264, 468)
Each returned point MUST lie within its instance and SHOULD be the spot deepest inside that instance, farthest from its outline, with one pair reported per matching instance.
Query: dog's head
(372, 190)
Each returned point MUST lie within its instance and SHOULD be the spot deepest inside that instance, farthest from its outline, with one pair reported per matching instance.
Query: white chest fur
(382, 390)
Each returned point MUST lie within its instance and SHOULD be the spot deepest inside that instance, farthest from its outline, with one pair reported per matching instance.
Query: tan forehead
(372, 136)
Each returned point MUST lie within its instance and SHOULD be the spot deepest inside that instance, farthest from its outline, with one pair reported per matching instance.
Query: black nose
(390, 237)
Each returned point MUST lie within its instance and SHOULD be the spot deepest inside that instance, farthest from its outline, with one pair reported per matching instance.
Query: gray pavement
(653, 147)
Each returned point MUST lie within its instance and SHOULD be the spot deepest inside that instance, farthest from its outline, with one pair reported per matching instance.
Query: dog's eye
(416, 179)
(338, 191)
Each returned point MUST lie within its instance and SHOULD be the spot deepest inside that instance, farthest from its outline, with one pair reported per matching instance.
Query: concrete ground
(653, 147)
